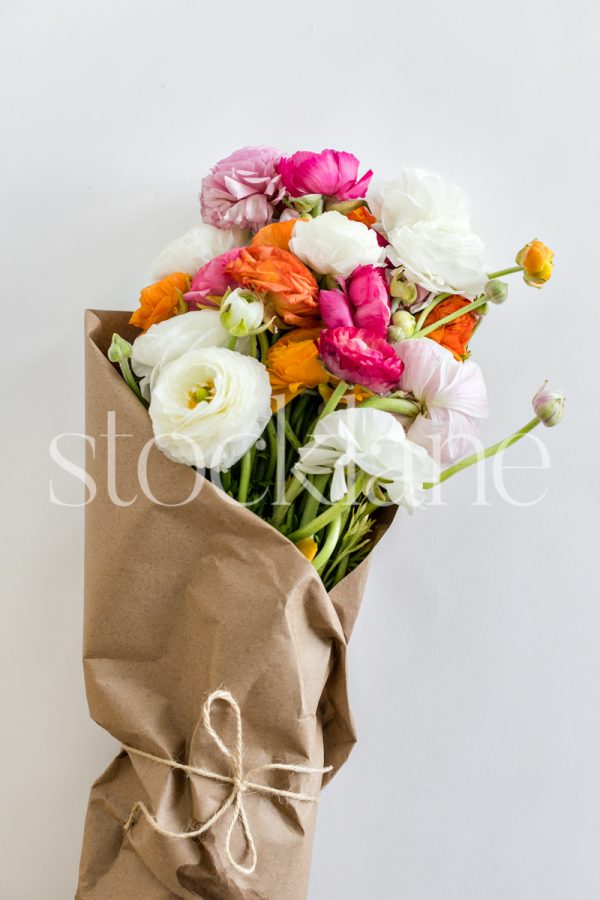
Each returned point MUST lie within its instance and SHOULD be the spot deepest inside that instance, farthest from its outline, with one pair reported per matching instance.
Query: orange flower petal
(279, 234)
(455, 335)
(285, 281)
(362, 214)
(160, 301)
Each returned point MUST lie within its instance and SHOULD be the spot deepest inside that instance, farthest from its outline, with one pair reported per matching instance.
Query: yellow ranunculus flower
(536, 260)
(308, 548)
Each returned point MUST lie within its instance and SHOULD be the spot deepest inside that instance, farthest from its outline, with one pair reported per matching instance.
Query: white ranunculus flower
(242, 312)
(332, 244)
(375, 442)
(168, 340)
(195, 248)
(427, 224)
(209, 406)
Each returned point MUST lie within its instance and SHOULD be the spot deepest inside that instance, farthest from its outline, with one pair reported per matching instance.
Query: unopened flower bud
(402, 327)
(119, 349)
(549, 406)
(536, 260)
(496, 291)
(242, 313)
(345, 207)
(309, 204)
(405, 291)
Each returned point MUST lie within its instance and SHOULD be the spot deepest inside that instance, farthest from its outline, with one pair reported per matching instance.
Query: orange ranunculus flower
(362, 214)
(279, 234)
(161, 301)
(536, 260)
(455, 335)
(293, 363)
(282, 278)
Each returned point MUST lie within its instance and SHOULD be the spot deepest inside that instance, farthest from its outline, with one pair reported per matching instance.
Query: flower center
(200, 393)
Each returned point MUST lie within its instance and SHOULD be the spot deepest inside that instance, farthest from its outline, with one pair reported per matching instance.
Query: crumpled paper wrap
(182, 599)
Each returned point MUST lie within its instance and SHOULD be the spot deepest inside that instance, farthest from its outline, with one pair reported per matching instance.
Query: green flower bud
(496, 291)
(549, 406)
(242, 313)
(309, 205)
(402, 327)
(119, 349)
(344, 206)
(405, 291)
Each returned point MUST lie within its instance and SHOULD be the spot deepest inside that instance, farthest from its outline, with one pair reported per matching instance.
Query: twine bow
(240, 781)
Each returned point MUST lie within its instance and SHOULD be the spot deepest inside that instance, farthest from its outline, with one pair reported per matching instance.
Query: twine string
(241, 782)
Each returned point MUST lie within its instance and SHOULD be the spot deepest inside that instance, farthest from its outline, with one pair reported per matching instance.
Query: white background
(475, 663)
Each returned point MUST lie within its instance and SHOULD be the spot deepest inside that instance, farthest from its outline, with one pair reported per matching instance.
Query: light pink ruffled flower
(242, 189)
(333, 173)
(361, 357)
(453, 396)
(362, 301)
(211, 281)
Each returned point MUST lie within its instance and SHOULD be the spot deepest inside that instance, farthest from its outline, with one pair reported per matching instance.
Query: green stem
(333, 401)
(289, 433)
(252, 345)
(272, 439)
(342, 568)
(451, 317)
(264, 347)
(128, 376)
(245, 471)
(329, 407)
(231, 342)
(502, 272)
(392, 404)
(294, 488)
(485, 454)
(329, 515)
(333, 533)
(428, 309)
(311, 508)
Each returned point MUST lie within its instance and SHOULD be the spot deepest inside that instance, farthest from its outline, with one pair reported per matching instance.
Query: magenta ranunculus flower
(242, 189)
(360, 356)
(211, 280)
(362, 301)
(332, 173)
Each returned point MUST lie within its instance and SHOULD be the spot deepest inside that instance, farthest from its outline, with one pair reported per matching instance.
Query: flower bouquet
(297, 370)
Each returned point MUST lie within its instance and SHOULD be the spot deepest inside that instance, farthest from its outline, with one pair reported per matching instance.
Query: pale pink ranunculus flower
(242, 189)
(453, 396)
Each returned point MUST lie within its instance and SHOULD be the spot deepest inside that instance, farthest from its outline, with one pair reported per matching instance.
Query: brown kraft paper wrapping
(180, 601)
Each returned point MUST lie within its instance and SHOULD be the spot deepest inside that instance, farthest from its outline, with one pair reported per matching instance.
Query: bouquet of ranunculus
(304, 353)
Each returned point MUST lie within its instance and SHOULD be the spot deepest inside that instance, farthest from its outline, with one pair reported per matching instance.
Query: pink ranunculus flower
(361, 357)
(211, 280)
(452, 394)
(242, 189)
(362, 301)
(333, 173)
